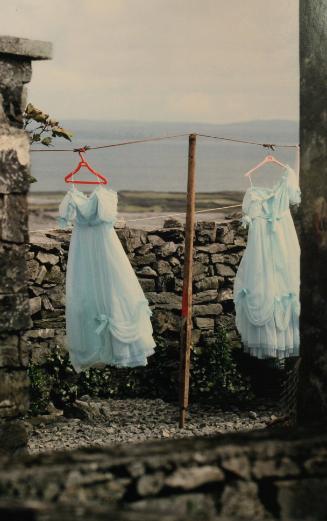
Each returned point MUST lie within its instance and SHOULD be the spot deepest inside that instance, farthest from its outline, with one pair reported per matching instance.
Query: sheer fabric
(107, 314)
(266, 287)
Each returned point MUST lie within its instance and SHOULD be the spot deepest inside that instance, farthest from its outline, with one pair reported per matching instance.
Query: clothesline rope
(271, 146)
(169, 214)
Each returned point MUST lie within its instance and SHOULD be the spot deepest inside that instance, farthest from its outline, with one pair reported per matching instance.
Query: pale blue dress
(267, 283)
(107, 314)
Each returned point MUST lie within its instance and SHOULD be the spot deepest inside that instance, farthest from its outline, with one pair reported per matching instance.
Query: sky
(212, 61)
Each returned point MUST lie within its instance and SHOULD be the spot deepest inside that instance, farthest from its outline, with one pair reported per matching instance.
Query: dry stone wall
(157, 257)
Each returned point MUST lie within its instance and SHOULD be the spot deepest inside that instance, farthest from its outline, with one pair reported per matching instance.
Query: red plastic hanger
(102, 180)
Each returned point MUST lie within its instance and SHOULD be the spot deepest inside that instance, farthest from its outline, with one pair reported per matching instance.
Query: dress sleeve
(67, 212)
(246, 207)
(294, 192)
(107, 206)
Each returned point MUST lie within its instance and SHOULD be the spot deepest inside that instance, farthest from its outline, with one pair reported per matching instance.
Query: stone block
(24, 47)
(146, 271)
(205, 232)
(204, 323)
(14, 162)
(240, 500)
(35, 305)
(192, 477)
(163, 267)
(13, 268)
(47, 258)
(144, 260)
(148, 284)
(155, 240)
(14, 312)
(207, 310)
(165, 321)
(165, 300)
(224, 271)
(14, 395)
(167, 249)
(54, 276)
(9, 351)
(205, 296)
(208, 283)
(14, 218)
(212, 248)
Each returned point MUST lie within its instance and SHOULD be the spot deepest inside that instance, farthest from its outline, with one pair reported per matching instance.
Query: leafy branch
(47, 128)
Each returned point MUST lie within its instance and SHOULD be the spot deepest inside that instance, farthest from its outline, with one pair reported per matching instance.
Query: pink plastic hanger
(267, 159)
(102, 180)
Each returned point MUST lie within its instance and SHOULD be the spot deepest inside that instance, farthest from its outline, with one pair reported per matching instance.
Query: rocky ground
(94, 422)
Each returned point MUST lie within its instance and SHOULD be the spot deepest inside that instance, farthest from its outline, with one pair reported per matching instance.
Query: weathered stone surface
(193, 477)
(35, 305)
(155, 240)
(12, 268)
(23, 47)
(243, 497)
(167, 249)
(207, 310)
(14, 162)
(205, 296)
(212, 248)
(13, 392)
(224, 271)
(165, 321)
(165, 300)
(208, 283)
(163, 267)
(41, 274)
(47, 258)
(148, 284)
(54, 276)
(9, 353)
(13, 225)
(302, 498)
(204, 323)
(14, 312)
(146, 271)
(143, 260)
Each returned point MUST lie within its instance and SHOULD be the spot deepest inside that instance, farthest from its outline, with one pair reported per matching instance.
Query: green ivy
(214, 375)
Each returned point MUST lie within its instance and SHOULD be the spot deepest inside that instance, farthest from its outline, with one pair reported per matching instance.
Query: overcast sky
(212, 61)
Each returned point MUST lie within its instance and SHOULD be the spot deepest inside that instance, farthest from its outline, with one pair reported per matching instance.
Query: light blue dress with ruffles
(267, 283)
(107, 314)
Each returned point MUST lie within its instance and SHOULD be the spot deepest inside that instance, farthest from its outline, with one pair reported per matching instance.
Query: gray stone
(35, 305)
(211, 248)
(172, 222)
(12, 268)
(41, 275)
(225, 294)
(163, 267)
(155, 240)
(225, 259)
(165, 300)
(192, 477)
(302, 498)
(208, 283)
(146, 248)
(13, 392)
(240, 500)
(165, 321)
(9, 352)
(148, 284)
(205, 296)
(151, 484)
(14, 312)
(204, 323)
(54, 276)
(167, 249)
(13, 225)
(143, 260)
(224, 271)
(14, 166)
(23, 47)
(47, 258)
(146, 271)
(207, 310)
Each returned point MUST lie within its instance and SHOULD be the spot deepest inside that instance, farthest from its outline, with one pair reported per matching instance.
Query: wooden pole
(186, 326)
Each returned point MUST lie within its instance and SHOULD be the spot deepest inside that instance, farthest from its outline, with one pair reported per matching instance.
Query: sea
(162, 165)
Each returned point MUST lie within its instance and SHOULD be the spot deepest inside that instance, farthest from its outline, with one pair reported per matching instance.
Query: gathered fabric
(267, 283)
(107, 314)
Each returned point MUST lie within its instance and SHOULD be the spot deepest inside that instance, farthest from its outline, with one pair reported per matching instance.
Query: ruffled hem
(266, 351)
(101, 362)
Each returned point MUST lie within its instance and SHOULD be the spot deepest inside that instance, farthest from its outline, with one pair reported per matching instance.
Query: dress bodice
(271, 203)
(97, 208)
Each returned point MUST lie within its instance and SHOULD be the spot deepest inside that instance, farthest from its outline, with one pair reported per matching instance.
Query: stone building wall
(157, 257)
(250, 476)
(15, 71)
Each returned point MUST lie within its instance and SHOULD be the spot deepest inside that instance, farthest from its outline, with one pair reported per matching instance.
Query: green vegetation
(215, 376)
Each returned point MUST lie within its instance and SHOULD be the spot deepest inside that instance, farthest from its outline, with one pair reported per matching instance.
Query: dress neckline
(277, 185)
(73, 190)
